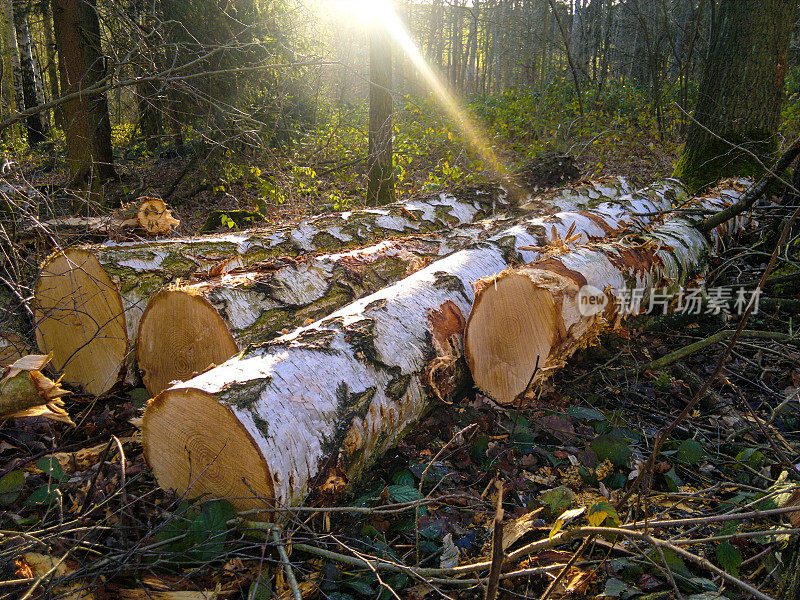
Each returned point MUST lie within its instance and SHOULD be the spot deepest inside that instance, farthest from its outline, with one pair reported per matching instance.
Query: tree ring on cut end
(80, 319)
(196, 446)
(180, 334)
(513, 322)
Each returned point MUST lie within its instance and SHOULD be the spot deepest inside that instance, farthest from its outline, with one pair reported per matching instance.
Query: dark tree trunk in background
(741, 93)
(577, 38)
(81, 65)
(11, 47)
(148, 93)
(380, 177)
(52, 65)
(34, 126)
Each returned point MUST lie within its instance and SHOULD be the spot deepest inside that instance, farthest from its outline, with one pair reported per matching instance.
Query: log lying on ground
(89, 299)
(525, 322)
(187, 327)
(313, 409)
(25, 392)
(147, 216)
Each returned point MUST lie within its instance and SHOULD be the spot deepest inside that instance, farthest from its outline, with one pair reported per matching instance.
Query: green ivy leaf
(403, 493)
(691, 452)
(208, 531)
(260, 589)
(50, 466)
(41, 495)
(403, 477)
(602, 514)
(585, 414)
(729, 557)
(673, 481)
(611, 448)
(10, 487)
(557, 500)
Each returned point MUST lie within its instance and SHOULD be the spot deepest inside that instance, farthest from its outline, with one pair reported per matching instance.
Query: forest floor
(80, 505)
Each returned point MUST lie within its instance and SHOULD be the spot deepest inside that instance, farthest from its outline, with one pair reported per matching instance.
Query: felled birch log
(25, 392)
(526, 322)
(311, 410)
(146, 216)
(89, 299)
(187, 327)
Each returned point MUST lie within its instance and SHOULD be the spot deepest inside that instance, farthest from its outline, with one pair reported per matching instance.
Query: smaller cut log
(145, 217)
(25, 392)
(187, 327)
(526, 322)
(89, 299)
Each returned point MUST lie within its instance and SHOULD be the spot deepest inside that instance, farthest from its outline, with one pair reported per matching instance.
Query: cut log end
(154, 217)
(80, 320)
(180, 335)
(196, 446)
(512, 324)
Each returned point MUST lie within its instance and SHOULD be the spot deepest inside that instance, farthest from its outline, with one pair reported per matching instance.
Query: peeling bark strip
(187, 327)
(526, 322)
(89, 299)
(328, 398)
(25, 392)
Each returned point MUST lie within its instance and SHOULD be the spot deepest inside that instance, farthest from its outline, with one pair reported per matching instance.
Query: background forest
(268, 100)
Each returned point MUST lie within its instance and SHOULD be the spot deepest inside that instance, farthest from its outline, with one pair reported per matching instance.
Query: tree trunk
(82, 65)
(577, 38)
(34, 126)
(52, 65)
(741, 93)
(13, 50)
(85, 290)
(380, 177)
(526, 322)
(219, 317)
(148, 102)
(312, 410)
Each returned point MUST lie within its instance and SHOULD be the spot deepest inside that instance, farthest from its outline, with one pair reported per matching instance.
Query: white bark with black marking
(314, 408)
(526, 322)
(187, 327)
(89, 299)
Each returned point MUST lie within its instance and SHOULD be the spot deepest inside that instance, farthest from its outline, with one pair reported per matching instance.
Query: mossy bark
(317, 406)
(740, 97)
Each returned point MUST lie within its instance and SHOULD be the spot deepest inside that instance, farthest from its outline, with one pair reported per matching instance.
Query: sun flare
(381, 14)
(364, 12)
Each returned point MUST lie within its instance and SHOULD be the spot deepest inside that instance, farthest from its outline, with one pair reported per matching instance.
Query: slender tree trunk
(605, 58)
(741, 93)
(13, 53)
(380, 178)
(147, 92)
(577, 41)
(472, 49)
(82, 65)
(457, 46)
(34, 125)
(52, 65)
